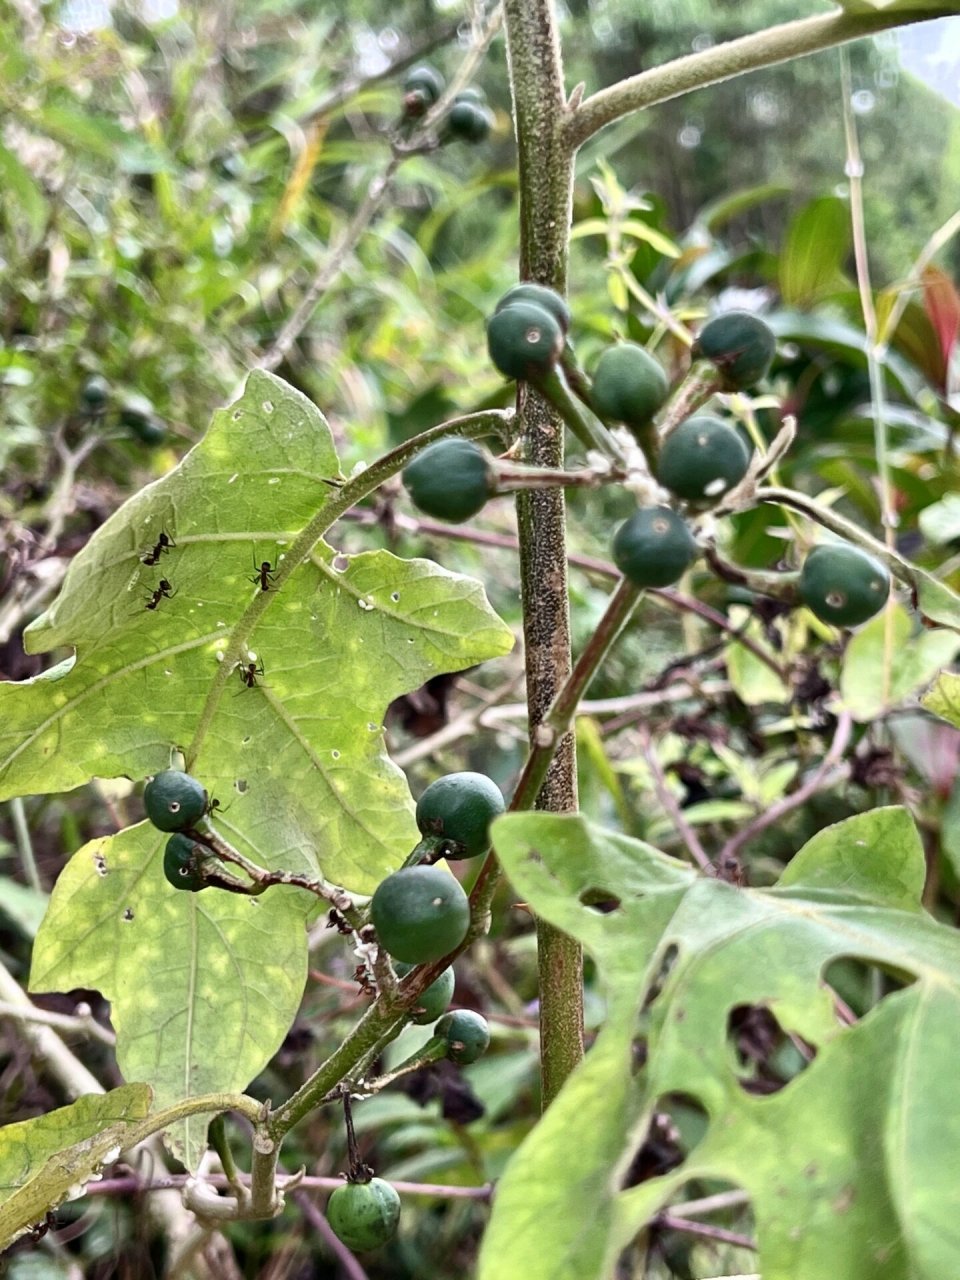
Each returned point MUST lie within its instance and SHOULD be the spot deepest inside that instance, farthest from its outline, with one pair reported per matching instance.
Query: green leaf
(22, 905)
(940, 522)
(753, 681)
(880, 672)
(202, 986)
(943, 698)
(844, 1165)
(651, 236)
(46, 1160)
(300, 757)
(298, 760)
(28, 201)
(816, 246)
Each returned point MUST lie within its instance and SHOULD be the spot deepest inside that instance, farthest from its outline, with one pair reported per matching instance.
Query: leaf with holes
(847, 1159)
(273, 682)
(45, 1160)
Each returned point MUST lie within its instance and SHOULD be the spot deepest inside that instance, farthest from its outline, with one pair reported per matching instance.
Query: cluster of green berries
(135, 412)
(469, 118)
(697, 461)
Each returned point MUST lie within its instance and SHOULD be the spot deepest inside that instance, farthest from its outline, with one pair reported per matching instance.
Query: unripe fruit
(451, 480)
(842, 584)
(364, 1215)
(469, 121)
(420, 914)
(541, 296)
(181, 858)
(702, 458)
(741, 346)
(137, 415)
(432, 1002)
(174, 800)
(459, 809)
(466, 1033)
(524, 340)
(629, 386)
(95, 393)
(654, 547)
(426, 80)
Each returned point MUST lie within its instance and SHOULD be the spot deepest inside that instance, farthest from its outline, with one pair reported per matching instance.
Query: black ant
(363, 980)
(40, 1229)
(163, 545)
(264, 574)
(163, 592)
(249, 672)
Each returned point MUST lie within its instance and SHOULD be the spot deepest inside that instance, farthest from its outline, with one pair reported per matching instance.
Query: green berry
(472, 93)
(181, 864)
(524, 340)
(629, 386)
(420, 914)
(364, 1215)
(95, 393)
(469, 121)
(654, 547)
(459, 808)
(842, 584)
(451, 480)
(541, 296)
(426, 80)
(433, 1001)
(174, 800)
(741, 346)
(137, 415)
(702, 458)
(466, 1033)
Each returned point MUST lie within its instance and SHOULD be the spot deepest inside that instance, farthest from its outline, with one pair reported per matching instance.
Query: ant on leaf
(264, 573)
(249, 672)
(163, 544)
(164, 591)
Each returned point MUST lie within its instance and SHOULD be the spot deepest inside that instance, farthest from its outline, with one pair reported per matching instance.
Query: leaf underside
(848, 1166)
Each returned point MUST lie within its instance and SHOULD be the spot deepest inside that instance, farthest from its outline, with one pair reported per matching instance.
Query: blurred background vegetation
(172, 181)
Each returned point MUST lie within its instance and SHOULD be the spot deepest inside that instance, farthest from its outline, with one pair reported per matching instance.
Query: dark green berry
(842, 584)
(525, 341)
(459, 809)
(542, 296)
(469, 121)
(451, 480)
(702, 458)
(174, 800)
(472, 93)
(432, 1002)
(95, 393)
(466, 1033)
(420, 914)
(654, 547)
(181, 864)
(629, 386)
(364, 1215)
(741, 346)
(426, 80)
(138, 416)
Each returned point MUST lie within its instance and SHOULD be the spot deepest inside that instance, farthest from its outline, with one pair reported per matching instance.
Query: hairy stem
(734, 58)
(546, 187)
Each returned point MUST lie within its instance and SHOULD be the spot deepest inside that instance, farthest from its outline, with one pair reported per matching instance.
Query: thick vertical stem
(546, 184)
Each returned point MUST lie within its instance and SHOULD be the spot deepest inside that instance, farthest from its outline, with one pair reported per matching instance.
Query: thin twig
(705, 1230)
(710, 1204)
(668, 801)
(352, 1268)
(76, 1024)
(826, 776)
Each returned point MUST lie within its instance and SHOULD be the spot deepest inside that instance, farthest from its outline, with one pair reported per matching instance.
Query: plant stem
(546, 189)
(734, 58)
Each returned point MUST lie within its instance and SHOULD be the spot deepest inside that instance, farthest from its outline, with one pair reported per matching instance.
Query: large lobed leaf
(205, 987)
(849, 1166)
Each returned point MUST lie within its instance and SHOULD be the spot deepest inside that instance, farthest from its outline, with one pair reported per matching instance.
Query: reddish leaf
(942, 304)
